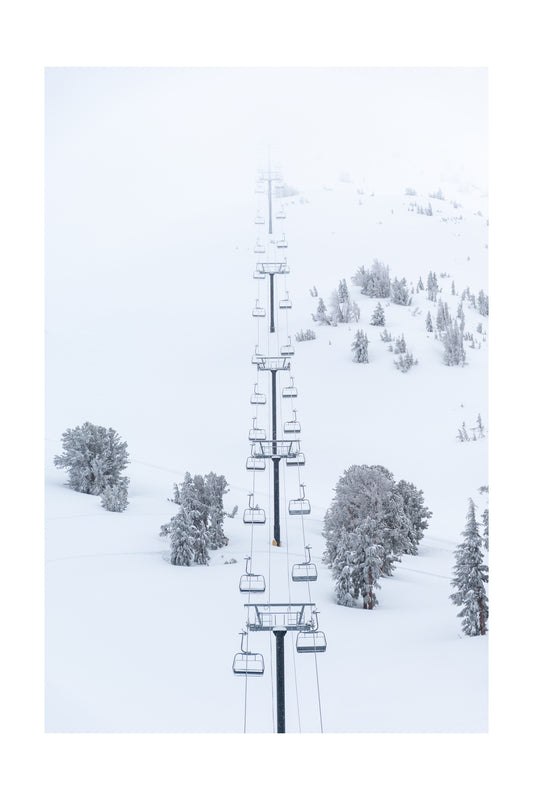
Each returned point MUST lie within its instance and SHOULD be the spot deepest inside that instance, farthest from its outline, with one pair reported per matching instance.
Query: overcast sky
(217, 123)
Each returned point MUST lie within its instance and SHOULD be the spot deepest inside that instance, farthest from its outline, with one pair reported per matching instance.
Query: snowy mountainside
(160, 350)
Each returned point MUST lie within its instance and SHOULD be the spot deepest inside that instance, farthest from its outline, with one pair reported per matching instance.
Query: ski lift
(260, 187)
(253, 515)
(292, 426)
(258, 311)
(306, 571)
(259, 220)
(255, 464)
(281, 213)
(289, 391)
(250, 582)
(257, 356)
(297, 460)
(285, 302)
(259, 248)
(256, 434)
(311, 641)
(259, 276)
(282, 242)
(257, 398)
(301, 505)
(287, 349)
(247, 663)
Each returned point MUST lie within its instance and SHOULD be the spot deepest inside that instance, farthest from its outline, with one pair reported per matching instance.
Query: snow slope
(150, 332)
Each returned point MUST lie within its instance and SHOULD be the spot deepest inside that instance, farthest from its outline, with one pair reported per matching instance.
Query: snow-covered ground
(153, 337)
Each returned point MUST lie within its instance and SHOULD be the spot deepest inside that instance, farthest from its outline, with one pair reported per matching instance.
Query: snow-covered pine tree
(378, 316)
(360, 348)
(420, 285)
(216, 486)
(399, 292)
(452, 339)
(385, 336)
(115, 496)
(374, 282)
(429, 323)
(432, 286)
(321, 316)
(405, 361)
(400, 345)
(367, 493)
(470, 576)
(94, 457)
(485, 521)
(417, 513)
(483, 304)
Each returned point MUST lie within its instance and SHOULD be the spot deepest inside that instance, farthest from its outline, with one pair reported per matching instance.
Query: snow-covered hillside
(155, 340)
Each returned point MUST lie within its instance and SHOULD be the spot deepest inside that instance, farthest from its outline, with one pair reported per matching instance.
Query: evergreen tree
(483, 304)
(420, 285)
(399, 293)
(416, 512)
(374, 282)
(470, 576)
(378, 317)
(115, 496)
(360, 348)
(405, 362)
(453, 288)
(366, 495)
(400, 345)
(429, 323)
(94, 457)
(452, 339)
(432, 286)
(321, 315)
(485, 521)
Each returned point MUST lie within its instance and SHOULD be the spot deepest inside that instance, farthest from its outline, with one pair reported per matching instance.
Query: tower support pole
(279, 633)
(272, 326)
(275, 463)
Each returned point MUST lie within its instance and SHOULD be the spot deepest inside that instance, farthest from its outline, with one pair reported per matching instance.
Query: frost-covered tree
(321, 316)
(400, 345)
(94, 457)
(399, 292)
(360, 348)
(443, 316)
(483, 304)
(181, 531)
(366, 493)
(357, 565)
(115, 496)
(202, 498)
(342, 309)
(405, 361)
(378, 316)
(417, 513)
(453, 288)
(485, 521)
(432, 285)
(471, 574)
(452, 339)
(385, 336)
(429, 323)
(420, 285)
(374, 282)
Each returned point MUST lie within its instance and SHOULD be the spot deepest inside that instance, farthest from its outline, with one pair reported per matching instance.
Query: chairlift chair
(247, 663)
(292, 425)
(251, 582)
(289, 391)
(253, 515)
(282, 243)
(306, 571)
(257, 398)
(259, 248)
(255, 464)
(297, 460)
(300, 505)
(287, 349)
(259, 276)
(259, 220)
(256, 434)
(281, 213)
(258, 311)
(312, 641)
(285, 302)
